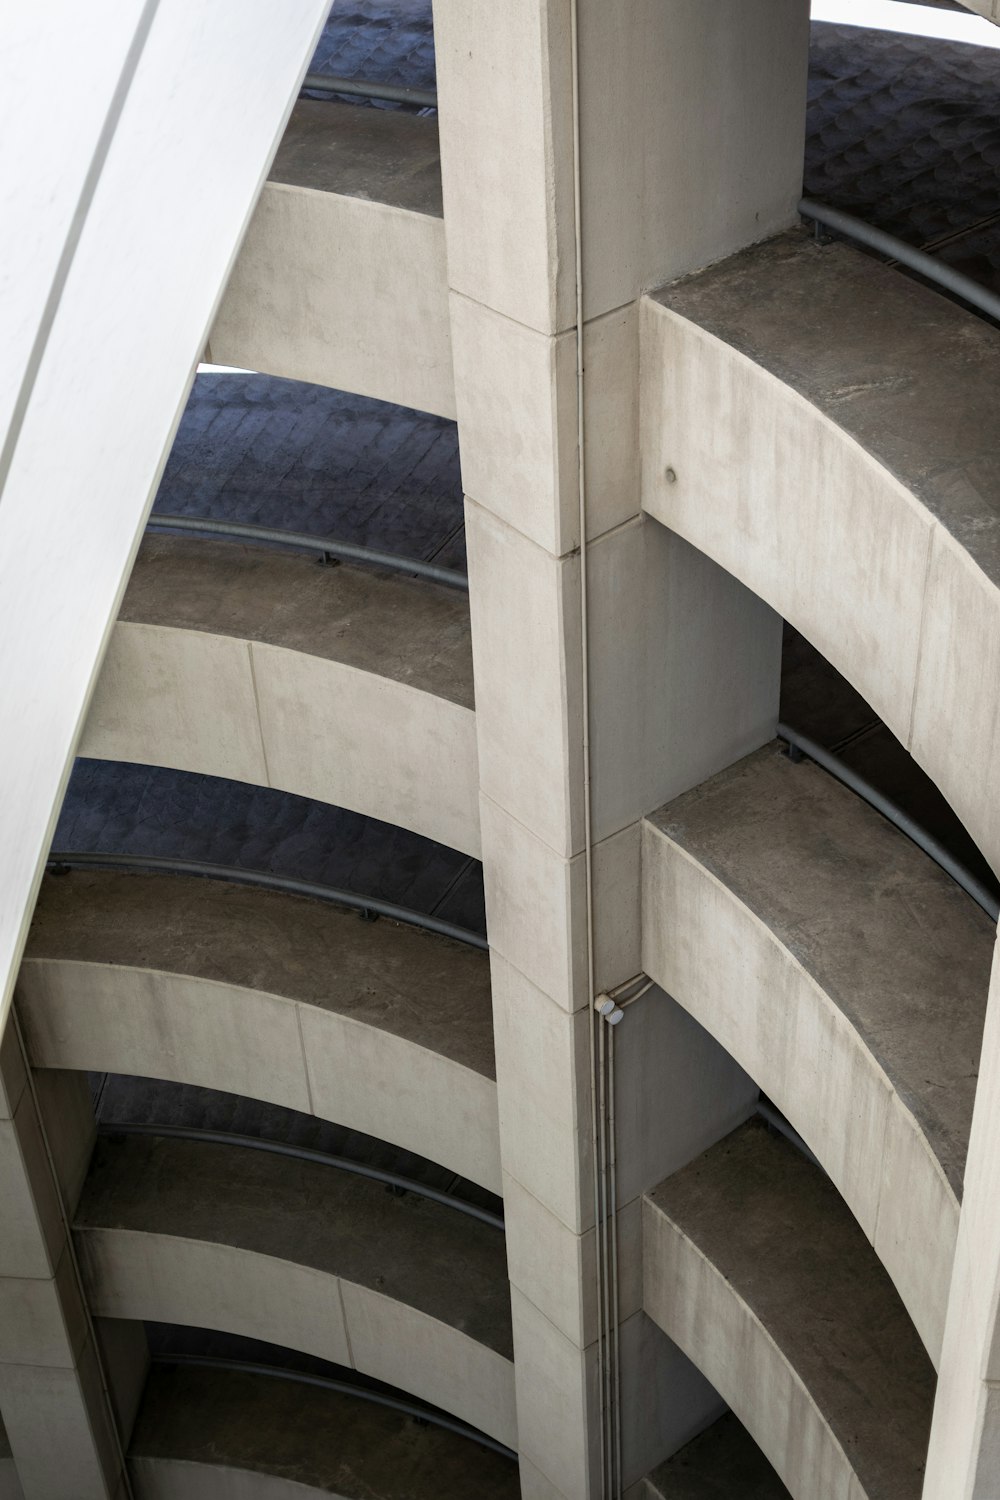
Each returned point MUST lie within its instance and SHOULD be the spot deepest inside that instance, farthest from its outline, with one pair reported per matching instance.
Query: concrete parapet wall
(821, 426)
(753, 1265)
(341, 279)
(347, 686)
(308, 1257)
(377, 1027)
(780, 911)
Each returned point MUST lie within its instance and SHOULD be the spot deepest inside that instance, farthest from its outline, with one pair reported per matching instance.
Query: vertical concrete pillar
(52, 1396)
(963, 1461)
(683, 663)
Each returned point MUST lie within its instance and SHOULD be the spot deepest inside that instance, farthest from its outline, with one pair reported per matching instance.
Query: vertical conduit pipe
(603, 1309)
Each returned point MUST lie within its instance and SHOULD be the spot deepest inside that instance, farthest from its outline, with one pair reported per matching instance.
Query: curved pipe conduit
(304, 1153)
(328, 547)
(369, 906)
(341, 1388)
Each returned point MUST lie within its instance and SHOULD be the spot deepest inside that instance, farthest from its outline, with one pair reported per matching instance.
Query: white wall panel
(197, 129)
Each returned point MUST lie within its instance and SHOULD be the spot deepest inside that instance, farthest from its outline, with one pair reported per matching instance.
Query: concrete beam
(833, 941)
(881, 389)
(403, 1289)
(340, 684)
(341, 279)
(724, 1274)
(375, 1026)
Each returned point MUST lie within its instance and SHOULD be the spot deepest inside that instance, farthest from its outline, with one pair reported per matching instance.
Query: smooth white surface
(181, 176)
(911, 20)
(46, 171)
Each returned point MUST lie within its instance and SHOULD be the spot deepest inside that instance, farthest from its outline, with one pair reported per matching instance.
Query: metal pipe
(327, 546)
(77, 860)
(616, 1368)
(302, 1153)
(604, 1260)
(340, 1388)
(365, 88)
(887, 244)
(901, 820)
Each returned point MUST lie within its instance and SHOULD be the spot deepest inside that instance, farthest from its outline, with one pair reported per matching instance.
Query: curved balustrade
(800, 400)
(206, 1432)
(849, 977)
(401, 1288)
(347, 234)
(373, 1025)
(752, 1264)
(352, 687)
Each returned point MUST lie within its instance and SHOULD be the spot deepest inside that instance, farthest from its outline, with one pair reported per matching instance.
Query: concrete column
(52, 1395)
(684, 663)
(963, 1462)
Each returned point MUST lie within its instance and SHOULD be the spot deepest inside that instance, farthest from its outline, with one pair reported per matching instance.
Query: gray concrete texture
(378, 973)
(722, 1463)
(903, 952)
(326, 1443)
(401, 628)
(909, 376)
(408, 1248)
(780, 1239)
(390, 158)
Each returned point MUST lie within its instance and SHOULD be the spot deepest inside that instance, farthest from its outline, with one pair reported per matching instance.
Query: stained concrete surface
(387, 157)
(380, 973)
(408, 1248)
(909, 376)
(124, 1099)
(408, 630)
(903, 952)
(115, 807)
(776, 1229)
(337, 1445)
(906, 373)
(722, 1463)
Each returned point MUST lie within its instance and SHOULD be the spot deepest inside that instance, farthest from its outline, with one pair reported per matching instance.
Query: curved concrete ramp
(848, 975)
(316, 1259)
(373, 1025)
(343, 684)
(205, 1434)
(722, 1463)
(347, 234)
(807, 399)
(752, 1264)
